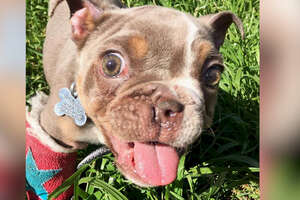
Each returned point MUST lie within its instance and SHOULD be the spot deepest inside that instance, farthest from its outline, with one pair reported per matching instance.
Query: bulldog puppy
(147, 78)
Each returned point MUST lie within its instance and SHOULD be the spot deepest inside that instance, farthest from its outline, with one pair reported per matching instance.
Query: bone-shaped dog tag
(70, 106)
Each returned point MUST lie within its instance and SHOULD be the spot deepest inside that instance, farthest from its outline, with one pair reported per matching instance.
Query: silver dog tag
(70, 106)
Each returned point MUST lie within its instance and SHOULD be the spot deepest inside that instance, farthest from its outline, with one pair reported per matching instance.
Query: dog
(147, 78)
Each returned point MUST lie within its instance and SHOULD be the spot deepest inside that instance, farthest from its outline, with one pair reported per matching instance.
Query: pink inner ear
(79, 30)
(94, 11)
(81, 18)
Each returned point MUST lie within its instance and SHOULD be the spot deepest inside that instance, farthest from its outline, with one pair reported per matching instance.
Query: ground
(223, 164)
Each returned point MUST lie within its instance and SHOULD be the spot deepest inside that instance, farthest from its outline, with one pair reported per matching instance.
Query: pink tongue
(155, 164)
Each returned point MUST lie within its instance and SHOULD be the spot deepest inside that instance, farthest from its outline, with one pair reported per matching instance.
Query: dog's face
(148, 79)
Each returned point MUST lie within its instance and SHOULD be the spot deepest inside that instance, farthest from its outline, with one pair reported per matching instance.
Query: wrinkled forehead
(164, 28)
(161, 34)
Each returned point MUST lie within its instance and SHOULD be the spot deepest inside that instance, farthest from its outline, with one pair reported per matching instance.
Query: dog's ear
(219, 23)
(85, 14)
(75, 5)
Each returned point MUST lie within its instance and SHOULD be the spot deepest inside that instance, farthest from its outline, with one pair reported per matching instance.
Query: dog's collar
(70, 105)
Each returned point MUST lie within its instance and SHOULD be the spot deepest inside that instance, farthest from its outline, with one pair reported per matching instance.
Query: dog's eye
(112, 64)
(213, 76)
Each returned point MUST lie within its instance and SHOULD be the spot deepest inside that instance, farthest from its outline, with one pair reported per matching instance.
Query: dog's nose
(170, 107)
(168, 115)
(167, 109)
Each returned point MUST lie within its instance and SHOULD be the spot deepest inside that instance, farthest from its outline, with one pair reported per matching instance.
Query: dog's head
(148, 79)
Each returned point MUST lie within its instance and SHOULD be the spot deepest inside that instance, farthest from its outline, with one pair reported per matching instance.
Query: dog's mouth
(150, 163)
(147, 121)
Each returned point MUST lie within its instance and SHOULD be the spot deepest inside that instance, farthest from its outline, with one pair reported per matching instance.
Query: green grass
(223, 164)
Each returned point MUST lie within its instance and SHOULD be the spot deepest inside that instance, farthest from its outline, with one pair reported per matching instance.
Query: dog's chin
(147, 164)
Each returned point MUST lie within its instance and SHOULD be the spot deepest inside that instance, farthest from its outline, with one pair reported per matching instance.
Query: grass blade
(176, 195)
(116, 194)
(67, 184)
